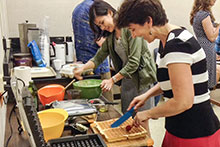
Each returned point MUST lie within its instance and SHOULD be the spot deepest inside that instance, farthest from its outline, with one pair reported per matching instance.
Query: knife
(123, 118)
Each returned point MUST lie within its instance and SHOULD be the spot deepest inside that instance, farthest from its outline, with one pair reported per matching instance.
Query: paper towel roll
(24, 73)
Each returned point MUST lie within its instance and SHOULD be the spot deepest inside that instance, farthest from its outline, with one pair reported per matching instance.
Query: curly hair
(198, 5)
(99, 8)
(140, 11)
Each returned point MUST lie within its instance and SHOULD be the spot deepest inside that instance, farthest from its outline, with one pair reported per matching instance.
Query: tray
(42, 72)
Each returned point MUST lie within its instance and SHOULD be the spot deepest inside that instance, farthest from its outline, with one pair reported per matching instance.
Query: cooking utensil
(90, 88)
(52, 122)
(69, 84)
(73, 94)
(123, 118)
(50, 93)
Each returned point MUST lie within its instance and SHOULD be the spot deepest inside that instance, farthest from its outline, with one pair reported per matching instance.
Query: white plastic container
(68, 70)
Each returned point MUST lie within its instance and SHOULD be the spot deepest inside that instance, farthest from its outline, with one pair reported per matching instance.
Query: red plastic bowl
(50, 93)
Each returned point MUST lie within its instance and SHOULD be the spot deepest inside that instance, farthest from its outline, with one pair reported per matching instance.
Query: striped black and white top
(182, 47)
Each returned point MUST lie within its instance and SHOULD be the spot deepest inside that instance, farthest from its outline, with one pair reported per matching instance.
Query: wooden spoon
(68, 85)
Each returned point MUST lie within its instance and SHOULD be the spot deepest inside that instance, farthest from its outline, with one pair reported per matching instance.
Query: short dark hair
(99, 8)
(139, 11)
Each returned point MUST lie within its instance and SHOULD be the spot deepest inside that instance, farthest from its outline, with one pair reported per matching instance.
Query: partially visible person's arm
(141, 99)
(210, 31)
(78, 71)
(183, 95)
(183, 92)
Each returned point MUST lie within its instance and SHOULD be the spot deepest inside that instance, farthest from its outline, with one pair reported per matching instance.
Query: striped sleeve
(179, 50)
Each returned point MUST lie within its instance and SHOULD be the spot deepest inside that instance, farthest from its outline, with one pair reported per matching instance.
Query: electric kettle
(70, 51)
(59, 48)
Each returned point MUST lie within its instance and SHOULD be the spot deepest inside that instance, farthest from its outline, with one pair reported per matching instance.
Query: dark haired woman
(182, 77)
(131, 58)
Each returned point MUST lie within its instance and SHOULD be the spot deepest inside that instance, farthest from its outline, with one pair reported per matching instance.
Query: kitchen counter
(22, 140)
(58, 79)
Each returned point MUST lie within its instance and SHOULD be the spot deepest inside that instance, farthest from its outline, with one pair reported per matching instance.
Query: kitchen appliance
(23, 35)
(33, 33)
(70, 51)
(91, 140)
(32, 125)
(58, 49)
(123, 118)
(75, 107)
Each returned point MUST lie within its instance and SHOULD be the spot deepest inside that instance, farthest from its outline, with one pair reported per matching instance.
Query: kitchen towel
(24, 73)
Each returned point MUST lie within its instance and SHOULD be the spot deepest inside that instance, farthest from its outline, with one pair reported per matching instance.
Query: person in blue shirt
(86, 44)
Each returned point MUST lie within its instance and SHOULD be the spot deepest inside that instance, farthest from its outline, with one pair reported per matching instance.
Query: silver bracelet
(114, 79)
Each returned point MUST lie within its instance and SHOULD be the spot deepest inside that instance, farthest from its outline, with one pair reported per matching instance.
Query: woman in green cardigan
(131, 58)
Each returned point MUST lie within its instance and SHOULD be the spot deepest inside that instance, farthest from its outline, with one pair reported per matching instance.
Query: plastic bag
(36, 54)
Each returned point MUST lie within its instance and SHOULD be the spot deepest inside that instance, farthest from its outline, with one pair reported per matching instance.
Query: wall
(3, 32)
(60, 13)
(178, 13)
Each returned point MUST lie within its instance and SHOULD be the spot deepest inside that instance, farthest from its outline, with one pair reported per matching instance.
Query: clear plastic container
(68, 70)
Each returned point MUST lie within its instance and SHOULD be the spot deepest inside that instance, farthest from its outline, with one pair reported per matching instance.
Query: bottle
(44, 47)
(217, 44)
(45, 41)
(33, 90)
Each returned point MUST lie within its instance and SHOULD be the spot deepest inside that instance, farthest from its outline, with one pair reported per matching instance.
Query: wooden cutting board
(124, 143)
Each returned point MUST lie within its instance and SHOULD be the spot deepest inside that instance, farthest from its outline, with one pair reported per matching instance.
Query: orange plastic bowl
(50, 93)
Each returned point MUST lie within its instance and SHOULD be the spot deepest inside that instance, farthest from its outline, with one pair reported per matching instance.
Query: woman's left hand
(141, 118)
(107, 85)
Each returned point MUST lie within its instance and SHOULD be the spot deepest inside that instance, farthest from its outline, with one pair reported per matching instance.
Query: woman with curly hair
(206, 31)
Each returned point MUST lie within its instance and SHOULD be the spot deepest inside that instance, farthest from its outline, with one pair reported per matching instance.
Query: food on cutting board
(120, 133)
(128, 128)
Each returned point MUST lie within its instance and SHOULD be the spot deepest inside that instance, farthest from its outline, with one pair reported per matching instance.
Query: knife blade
(123, 118)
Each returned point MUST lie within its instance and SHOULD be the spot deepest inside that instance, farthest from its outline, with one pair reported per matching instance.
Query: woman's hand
(101, 41)
(137, 102)
(141, 118)
(78, 72)
(107, 85)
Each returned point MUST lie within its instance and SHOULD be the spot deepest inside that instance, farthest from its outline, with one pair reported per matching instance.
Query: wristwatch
(114, 79)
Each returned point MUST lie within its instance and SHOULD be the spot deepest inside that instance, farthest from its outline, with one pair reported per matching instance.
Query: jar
(22, 59)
